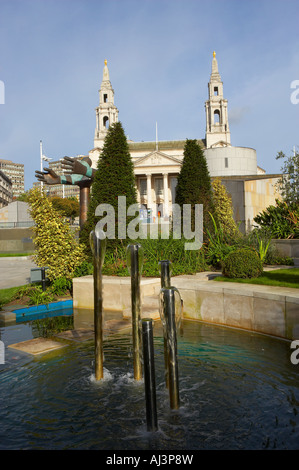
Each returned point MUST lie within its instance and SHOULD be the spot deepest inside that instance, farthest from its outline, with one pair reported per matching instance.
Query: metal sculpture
(149, 374)
(170, 313)
(98, 248)
(78, 172)
(134, 263)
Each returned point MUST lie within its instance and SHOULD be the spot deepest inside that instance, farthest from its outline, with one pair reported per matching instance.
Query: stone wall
(263, 309)
(16, 240)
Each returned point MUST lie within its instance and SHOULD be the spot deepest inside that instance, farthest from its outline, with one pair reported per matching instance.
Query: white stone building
(157, 164)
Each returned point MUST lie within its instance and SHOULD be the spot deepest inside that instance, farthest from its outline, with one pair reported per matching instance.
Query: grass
(7, 295)
(7, 255)
(275, 278)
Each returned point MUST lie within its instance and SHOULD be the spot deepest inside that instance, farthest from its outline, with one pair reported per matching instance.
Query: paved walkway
(15, 272)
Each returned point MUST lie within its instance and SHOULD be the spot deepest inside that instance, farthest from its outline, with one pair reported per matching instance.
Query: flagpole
(41, 162)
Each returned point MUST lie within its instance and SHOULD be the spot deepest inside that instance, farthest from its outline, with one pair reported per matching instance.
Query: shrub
(224, 209)
(114, 177)
(219, 245)
(281, 220)
(60, 286)
(56, 245)
(194, 182)
(155, 250)
(242, 263)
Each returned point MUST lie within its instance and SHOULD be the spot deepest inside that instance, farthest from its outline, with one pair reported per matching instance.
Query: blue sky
(159, 56)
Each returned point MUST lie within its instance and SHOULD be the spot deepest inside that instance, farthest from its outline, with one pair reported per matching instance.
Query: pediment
(157, 158)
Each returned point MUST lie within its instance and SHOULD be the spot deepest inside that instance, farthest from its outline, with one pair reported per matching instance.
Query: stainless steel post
(98, 246)
(165, 282)
(165, 273)
(149, 375)
(169, 312)
(134, 258)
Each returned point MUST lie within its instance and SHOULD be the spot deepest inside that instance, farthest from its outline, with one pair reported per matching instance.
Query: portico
(156, 178)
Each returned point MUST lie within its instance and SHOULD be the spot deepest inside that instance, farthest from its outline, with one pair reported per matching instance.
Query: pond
(238, 390)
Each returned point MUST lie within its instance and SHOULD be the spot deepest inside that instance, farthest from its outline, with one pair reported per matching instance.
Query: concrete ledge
(264, 309)
(116, 291)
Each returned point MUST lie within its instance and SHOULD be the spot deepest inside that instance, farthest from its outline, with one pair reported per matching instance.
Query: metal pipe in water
(165, 273)
(149, 374)
(169, 313)
(135, 260)
(165, 282)
(98, 247)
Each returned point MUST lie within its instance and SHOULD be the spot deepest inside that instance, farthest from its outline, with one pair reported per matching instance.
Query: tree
(69, 206)
(114, 177)
(224, 208)
(288, 184)
(23, 197)
(56, 245)
(194, 183)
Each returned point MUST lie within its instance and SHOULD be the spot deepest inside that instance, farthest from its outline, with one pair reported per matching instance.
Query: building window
(106, 122)
(143, 187)
(105, 97)
(216, 116)
(216, 91)
(226, 162)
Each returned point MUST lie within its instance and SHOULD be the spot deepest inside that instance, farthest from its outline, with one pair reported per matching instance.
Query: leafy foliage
(68, 206)
(155, 250)
(224, 209)
(282, 220)
(56, 245)
(194, 182)
(288, 184)
(242, 263)
(219, 244)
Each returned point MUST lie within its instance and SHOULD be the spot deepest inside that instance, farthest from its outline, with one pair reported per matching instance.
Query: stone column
(149, 191)
(166, 200)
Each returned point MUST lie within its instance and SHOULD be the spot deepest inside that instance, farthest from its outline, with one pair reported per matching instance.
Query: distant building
(5, 190)
(15, 214)
(15, 171)
(157, 164)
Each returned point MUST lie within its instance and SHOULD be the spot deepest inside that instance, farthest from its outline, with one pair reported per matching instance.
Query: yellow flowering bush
(55, 242)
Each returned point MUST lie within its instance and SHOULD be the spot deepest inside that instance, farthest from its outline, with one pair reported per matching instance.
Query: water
(238, 390)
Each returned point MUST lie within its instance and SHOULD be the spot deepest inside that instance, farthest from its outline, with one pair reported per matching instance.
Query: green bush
(242, 263)
(155, 250)
(281, 220)
(60, 286)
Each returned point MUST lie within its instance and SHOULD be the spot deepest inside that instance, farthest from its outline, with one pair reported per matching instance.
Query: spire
(217, 129)
(106, 72)
(106, 112)
(215, 74)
